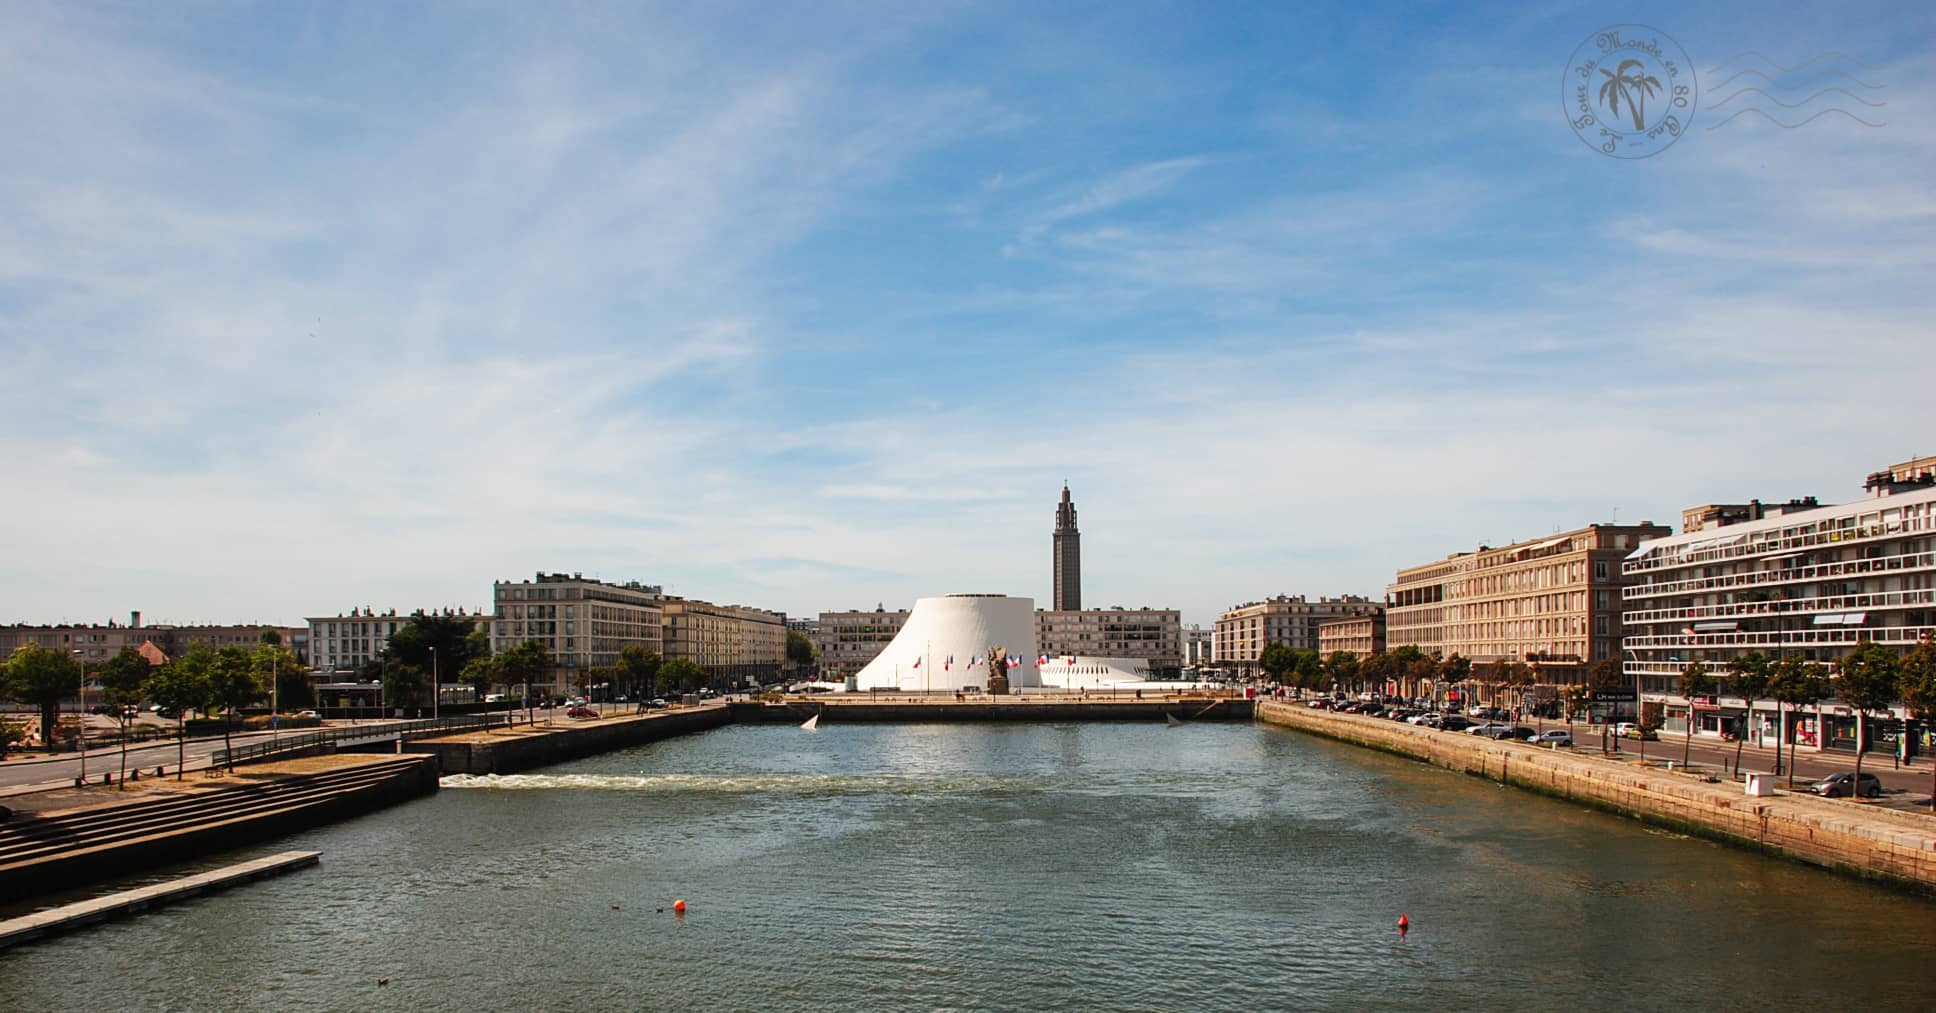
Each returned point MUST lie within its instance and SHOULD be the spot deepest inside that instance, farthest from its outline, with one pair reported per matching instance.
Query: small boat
(1172, 720)
(812, 724)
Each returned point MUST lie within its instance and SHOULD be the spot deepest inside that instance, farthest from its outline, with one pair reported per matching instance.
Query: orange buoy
(1404, 924)
(679, 907)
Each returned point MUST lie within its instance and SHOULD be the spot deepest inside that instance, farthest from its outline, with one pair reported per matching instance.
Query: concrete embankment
(69, 917)
(507, 751)
(109, 834)
(986, 709)
(1892, 847)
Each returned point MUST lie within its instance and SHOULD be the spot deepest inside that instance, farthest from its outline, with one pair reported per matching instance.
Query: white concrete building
(944, 644)
(1806, 583)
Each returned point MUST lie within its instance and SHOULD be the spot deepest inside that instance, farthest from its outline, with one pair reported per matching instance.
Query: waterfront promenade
(1858, 838)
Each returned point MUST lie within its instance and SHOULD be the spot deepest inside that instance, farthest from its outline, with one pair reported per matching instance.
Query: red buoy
(679, 907)
(1404, 924)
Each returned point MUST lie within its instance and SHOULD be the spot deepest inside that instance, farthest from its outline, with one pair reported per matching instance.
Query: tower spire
(1067, 562)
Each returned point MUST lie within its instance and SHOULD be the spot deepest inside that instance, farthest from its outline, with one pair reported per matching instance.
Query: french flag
(1041, 659)
(949, 664)
(917, 663)
(1015, 663)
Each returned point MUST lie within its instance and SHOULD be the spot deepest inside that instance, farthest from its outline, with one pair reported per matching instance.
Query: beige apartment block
(1154, 635)
(1555, 601)
(735, 644)
(1361, 635)
(340, 645)
(848, 640)
(1198, 645)
(584, 623)
(1244, 631)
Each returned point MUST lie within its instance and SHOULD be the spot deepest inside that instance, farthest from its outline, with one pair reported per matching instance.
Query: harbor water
(933, 866)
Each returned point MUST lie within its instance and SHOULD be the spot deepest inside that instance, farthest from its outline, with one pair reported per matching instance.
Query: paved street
(1912, 781)
(35, 770)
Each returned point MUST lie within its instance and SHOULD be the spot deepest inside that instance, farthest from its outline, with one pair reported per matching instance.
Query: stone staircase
(60, 850)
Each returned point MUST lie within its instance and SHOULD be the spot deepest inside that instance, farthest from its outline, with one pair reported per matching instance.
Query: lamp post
(275, 704)
(82, 658)
(436, 691)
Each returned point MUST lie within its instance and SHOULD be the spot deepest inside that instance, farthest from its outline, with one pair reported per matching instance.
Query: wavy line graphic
(1811, 61)
(1795, 87)
(1803, 102)
(1792, 126)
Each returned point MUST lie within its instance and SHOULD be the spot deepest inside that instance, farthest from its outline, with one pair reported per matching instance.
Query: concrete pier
(68, 917)
(507, 751)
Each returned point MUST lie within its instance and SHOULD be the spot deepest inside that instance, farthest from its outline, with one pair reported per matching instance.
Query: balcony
(1873, 602)
(1792, 575)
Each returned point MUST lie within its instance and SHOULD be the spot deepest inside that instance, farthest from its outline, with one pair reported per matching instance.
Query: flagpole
(929, 665)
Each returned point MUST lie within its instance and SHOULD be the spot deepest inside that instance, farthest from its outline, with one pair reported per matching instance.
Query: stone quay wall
(1893, 847)
(509, 751)
(858, 710)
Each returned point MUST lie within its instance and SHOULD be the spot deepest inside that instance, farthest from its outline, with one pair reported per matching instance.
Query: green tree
(1575, 698)
(43, 677)
(1748, 676)
(406, 686)
(1341, 667)
(799, 650)
(523, 665)
(179, 687)
(124, 681)
(480, 674)
(11, 734)
(1919, 693)
(638, 672)
(682, 675)
(1307, 669)
(1602, 680)
(1372, 671)
(1868, 682)
(1454, 671)
(232, 685)
(277, 668)
(1794, 683)
(437, 646)
(1276, 660)
(1694, 682)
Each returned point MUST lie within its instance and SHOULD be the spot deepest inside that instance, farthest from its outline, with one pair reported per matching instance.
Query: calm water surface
(1074, 867)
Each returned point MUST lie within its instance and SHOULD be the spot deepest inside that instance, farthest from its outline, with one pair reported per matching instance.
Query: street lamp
(436, 690)
(80, 656)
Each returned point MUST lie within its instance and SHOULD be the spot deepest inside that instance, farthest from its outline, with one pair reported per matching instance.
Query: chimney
(134, 619)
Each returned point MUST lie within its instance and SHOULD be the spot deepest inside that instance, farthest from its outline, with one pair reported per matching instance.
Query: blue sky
(311, 306)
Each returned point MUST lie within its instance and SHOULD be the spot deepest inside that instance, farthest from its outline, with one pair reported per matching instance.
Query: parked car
(1839, 786)
(1483, 728)
(1454, 723)
(580, 711)
(1629, 730)
(1554, 737)
(656, 703)
(308, 714)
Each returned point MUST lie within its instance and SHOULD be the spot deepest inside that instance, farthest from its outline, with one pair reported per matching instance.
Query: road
(146, 756)
(1912, 781)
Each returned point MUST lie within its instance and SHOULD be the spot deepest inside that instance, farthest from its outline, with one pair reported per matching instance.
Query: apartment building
(584, 623)
(1361, 635)
(848, 640)
(1152, 635)
(1806, 583)
(94, 643)
(1198, 645)
(1245, 630)
(735, 644)
(340, 645)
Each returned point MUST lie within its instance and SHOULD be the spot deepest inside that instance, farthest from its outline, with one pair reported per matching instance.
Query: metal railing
(298, 741)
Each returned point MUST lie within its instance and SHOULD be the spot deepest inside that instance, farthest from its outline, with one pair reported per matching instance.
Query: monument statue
(998, 670)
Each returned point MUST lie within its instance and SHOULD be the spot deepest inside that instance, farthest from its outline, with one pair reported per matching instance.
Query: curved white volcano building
(944, 644)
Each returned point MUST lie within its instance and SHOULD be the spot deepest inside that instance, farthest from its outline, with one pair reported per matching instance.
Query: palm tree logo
(1631, 83)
